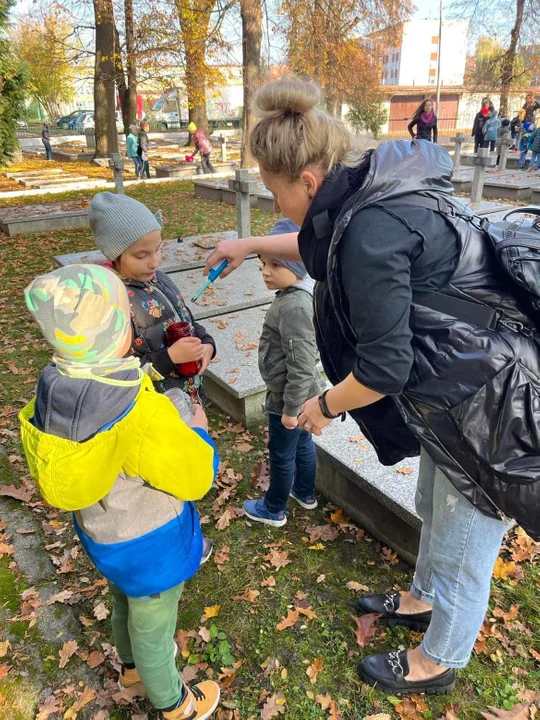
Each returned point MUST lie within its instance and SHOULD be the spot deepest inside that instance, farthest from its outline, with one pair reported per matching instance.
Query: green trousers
(144, 630)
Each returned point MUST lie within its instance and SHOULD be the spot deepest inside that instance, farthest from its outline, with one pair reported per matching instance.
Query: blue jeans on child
(292, 464)
(458, 548)
(522, 158)
(535, 161)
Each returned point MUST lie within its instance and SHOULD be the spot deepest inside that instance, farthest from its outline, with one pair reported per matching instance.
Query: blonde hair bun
(288, 96)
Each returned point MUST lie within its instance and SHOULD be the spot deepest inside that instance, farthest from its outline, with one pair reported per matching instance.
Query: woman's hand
(199, 418)
(289, 422)
(208, 354)
(235, 251)
(311, 417)
(186, 350)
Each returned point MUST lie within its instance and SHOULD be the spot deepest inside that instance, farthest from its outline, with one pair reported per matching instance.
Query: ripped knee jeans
(458, 548)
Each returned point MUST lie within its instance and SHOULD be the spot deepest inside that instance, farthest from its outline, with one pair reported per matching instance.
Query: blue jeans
(522, 158)
(458, 548)
(535, 161)
(292, 464)
(138, 162)
(48, 151)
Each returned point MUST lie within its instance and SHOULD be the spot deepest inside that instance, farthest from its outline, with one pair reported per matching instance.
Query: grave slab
(242, 290)
(175, 256)
(60, 156)
(511, 162)
(57, 180)
(185, 169)
(33, 173)
(233, 382)
(510, 185)
(462, 180)
(265, 201)
(379, 498)
(209, 190)
(535, 195)
(42, 218)
(486, 207)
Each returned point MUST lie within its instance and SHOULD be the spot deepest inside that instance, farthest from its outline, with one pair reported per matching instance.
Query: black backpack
(517, 248)
(516, 245)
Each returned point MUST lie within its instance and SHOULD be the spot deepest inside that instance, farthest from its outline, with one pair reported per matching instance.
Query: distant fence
(33, 129)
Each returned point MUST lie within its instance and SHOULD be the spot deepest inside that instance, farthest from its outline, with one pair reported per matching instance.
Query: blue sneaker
(256, 510)
(309, 503)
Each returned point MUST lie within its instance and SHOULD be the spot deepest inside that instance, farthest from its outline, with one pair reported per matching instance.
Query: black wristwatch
(325, 411)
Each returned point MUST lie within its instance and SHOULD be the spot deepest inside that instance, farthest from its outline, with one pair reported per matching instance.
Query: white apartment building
(414, 60)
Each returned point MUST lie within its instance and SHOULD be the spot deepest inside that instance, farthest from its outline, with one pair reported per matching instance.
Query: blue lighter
(213, 274)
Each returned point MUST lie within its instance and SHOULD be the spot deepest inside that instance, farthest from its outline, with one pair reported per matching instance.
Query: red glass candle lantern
(175, 332)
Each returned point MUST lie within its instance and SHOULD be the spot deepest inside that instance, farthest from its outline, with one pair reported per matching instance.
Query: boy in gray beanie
(288, 365)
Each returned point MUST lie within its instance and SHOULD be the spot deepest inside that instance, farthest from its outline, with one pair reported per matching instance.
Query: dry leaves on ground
(211, 611)
(87, 695)
(357, 587)
(328, 703)
(523, 711)
(50, 706)
(274, 706)
(504, 570)
(222, 556)
(327, 533)
(314, 669)
(101, 611)
(278, 558)
(366, 627)
(69, 648)
(270, 581)
(412, 707)
(292, 617)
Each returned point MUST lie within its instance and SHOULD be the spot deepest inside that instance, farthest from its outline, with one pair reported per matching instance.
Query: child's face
(275, 275)
(141, 260)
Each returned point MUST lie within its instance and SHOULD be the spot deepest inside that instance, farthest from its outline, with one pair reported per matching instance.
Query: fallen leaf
(101, 611)
(260, 478)
(88, 694)
(278, 558)
(322, 532)
(314, 669)
(366, 627)
(318, 546)
(95, 658)
(512, 614)
(228, 675)
(404, 470)
(268, 582)
(292, 617)
(248, 595)
(69, 648)
(378, 716)
(4, 648)
(412, 707)
(357, 587)
(211, 611)
(390, 556)
(23, 493)
(523, 711)
(503, 570)
(222, 556)
(60, 597)
(320, 579)
(225, 519)
(4, 670)
(48, 707)
(306, 611)
(275, 705)
(243, 447)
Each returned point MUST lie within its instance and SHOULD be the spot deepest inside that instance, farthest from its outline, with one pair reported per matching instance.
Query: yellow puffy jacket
(151, 442)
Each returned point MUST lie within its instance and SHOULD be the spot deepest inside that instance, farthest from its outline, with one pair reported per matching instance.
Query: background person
(45, 139)
(479, 121)
(143, 146)
(490, 129)
(530, 106)
(131, 150)
(425, 121)
(408, 374)
(203, 146)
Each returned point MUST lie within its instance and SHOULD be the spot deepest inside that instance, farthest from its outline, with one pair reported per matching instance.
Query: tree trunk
(104, 77)
(509, 60)
(129, 113)
(251, 11)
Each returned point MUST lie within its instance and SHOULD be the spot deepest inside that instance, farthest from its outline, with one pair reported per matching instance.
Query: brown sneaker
(199, 703)
(128, 678)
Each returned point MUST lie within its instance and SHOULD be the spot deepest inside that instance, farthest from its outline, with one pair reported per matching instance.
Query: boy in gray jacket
(287, 363)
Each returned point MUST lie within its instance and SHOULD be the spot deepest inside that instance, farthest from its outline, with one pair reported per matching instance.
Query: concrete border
(45, 223)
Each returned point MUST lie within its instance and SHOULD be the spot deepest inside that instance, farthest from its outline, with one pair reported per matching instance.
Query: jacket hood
(76, 409)
(391, 170)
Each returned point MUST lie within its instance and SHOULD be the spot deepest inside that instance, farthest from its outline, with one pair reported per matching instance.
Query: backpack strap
(467, 311)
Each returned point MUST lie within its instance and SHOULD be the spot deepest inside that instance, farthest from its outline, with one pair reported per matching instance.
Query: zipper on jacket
(291, 348)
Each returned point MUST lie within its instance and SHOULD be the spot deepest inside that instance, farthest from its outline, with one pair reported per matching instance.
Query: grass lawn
(270, 613)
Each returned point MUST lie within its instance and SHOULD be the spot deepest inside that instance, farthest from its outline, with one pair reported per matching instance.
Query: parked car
(22, 124)
(85, 121)
(171, 120)
(65, 121)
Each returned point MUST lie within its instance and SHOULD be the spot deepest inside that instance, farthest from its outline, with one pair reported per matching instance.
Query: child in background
(524, 143)
(131, 150)
(102, 443)
(287, 363)
(534, 147)
(516, 126)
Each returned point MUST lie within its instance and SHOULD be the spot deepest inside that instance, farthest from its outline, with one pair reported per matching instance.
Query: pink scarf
(427, 117)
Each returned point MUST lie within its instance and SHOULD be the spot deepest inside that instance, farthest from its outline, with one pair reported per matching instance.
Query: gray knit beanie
(282, 227)
(118, 221)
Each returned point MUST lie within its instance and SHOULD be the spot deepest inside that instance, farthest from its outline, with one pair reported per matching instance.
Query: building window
(433, 56)
(432, 81)
(435, 40)
(432, 72)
